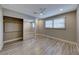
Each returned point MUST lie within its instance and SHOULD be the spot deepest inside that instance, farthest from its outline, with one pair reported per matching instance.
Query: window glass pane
(48, 24)
(59, 23)
(33, 25)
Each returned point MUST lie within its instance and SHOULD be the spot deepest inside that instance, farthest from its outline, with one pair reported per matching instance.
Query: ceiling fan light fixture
(41, 14)
(61, 9)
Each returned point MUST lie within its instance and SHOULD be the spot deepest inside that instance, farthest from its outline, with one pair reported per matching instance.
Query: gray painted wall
(11, 13)
(67, 34)
(26, 20)
(28, 31)
(1, 28)
(77, 27)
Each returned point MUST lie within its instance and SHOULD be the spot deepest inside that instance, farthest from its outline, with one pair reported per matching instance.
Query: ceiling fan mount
(41, 11)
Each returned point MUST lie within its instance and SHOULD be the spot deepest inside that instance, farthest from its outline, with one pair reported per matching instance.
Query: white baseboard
(44, 36)
(29, 33)
(1, 48)
(57, 39)
(13, 40)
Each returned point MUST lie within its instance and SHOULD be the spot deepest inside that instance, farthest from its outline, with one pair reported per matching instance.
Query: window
(59, 23)
(33, 25)
(48, 24)
(55, 23)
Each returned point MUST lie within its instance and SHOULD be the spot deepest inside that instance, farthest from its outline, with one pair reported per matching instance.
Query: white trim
(1, 48)
(58, 39)
(13, 40)
(29, 32)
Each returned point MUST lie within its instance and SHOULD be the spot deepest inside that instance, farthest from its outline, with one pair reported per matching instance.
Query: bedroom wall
(15, 14)
(68, 34)
(25, 18)
(1, 28)
(77, 27)
(28, 31)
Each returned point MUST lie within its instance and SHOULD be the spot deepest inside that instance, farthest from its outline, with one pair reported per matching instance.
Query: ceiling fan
(41, 11)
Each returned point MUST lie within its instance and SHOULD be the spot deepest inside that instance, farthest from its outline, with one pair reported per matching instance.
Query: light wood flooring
(39, 46)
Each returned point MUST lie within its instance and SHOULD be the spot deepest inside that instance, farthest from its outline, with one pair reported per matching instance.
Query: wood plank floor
(39, 46)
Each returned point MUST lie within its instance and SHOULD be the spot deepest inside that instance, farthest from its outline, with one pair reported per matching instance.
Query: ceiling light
(41, 13)
(61, 9)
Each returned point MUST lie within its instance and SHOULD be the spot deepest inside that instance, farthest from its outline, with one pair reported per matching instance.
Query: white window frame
(59, 18)
(46, 24)
(33, 24)
(54, 22)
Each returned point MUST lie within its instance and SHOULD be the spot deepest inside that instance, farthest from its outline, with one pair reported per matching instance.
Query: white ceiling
(51, 9)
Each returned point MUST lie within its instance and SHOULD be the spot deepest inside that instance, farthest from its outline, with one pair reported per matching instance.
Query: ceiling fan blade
(43, 10)
(35, 13)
